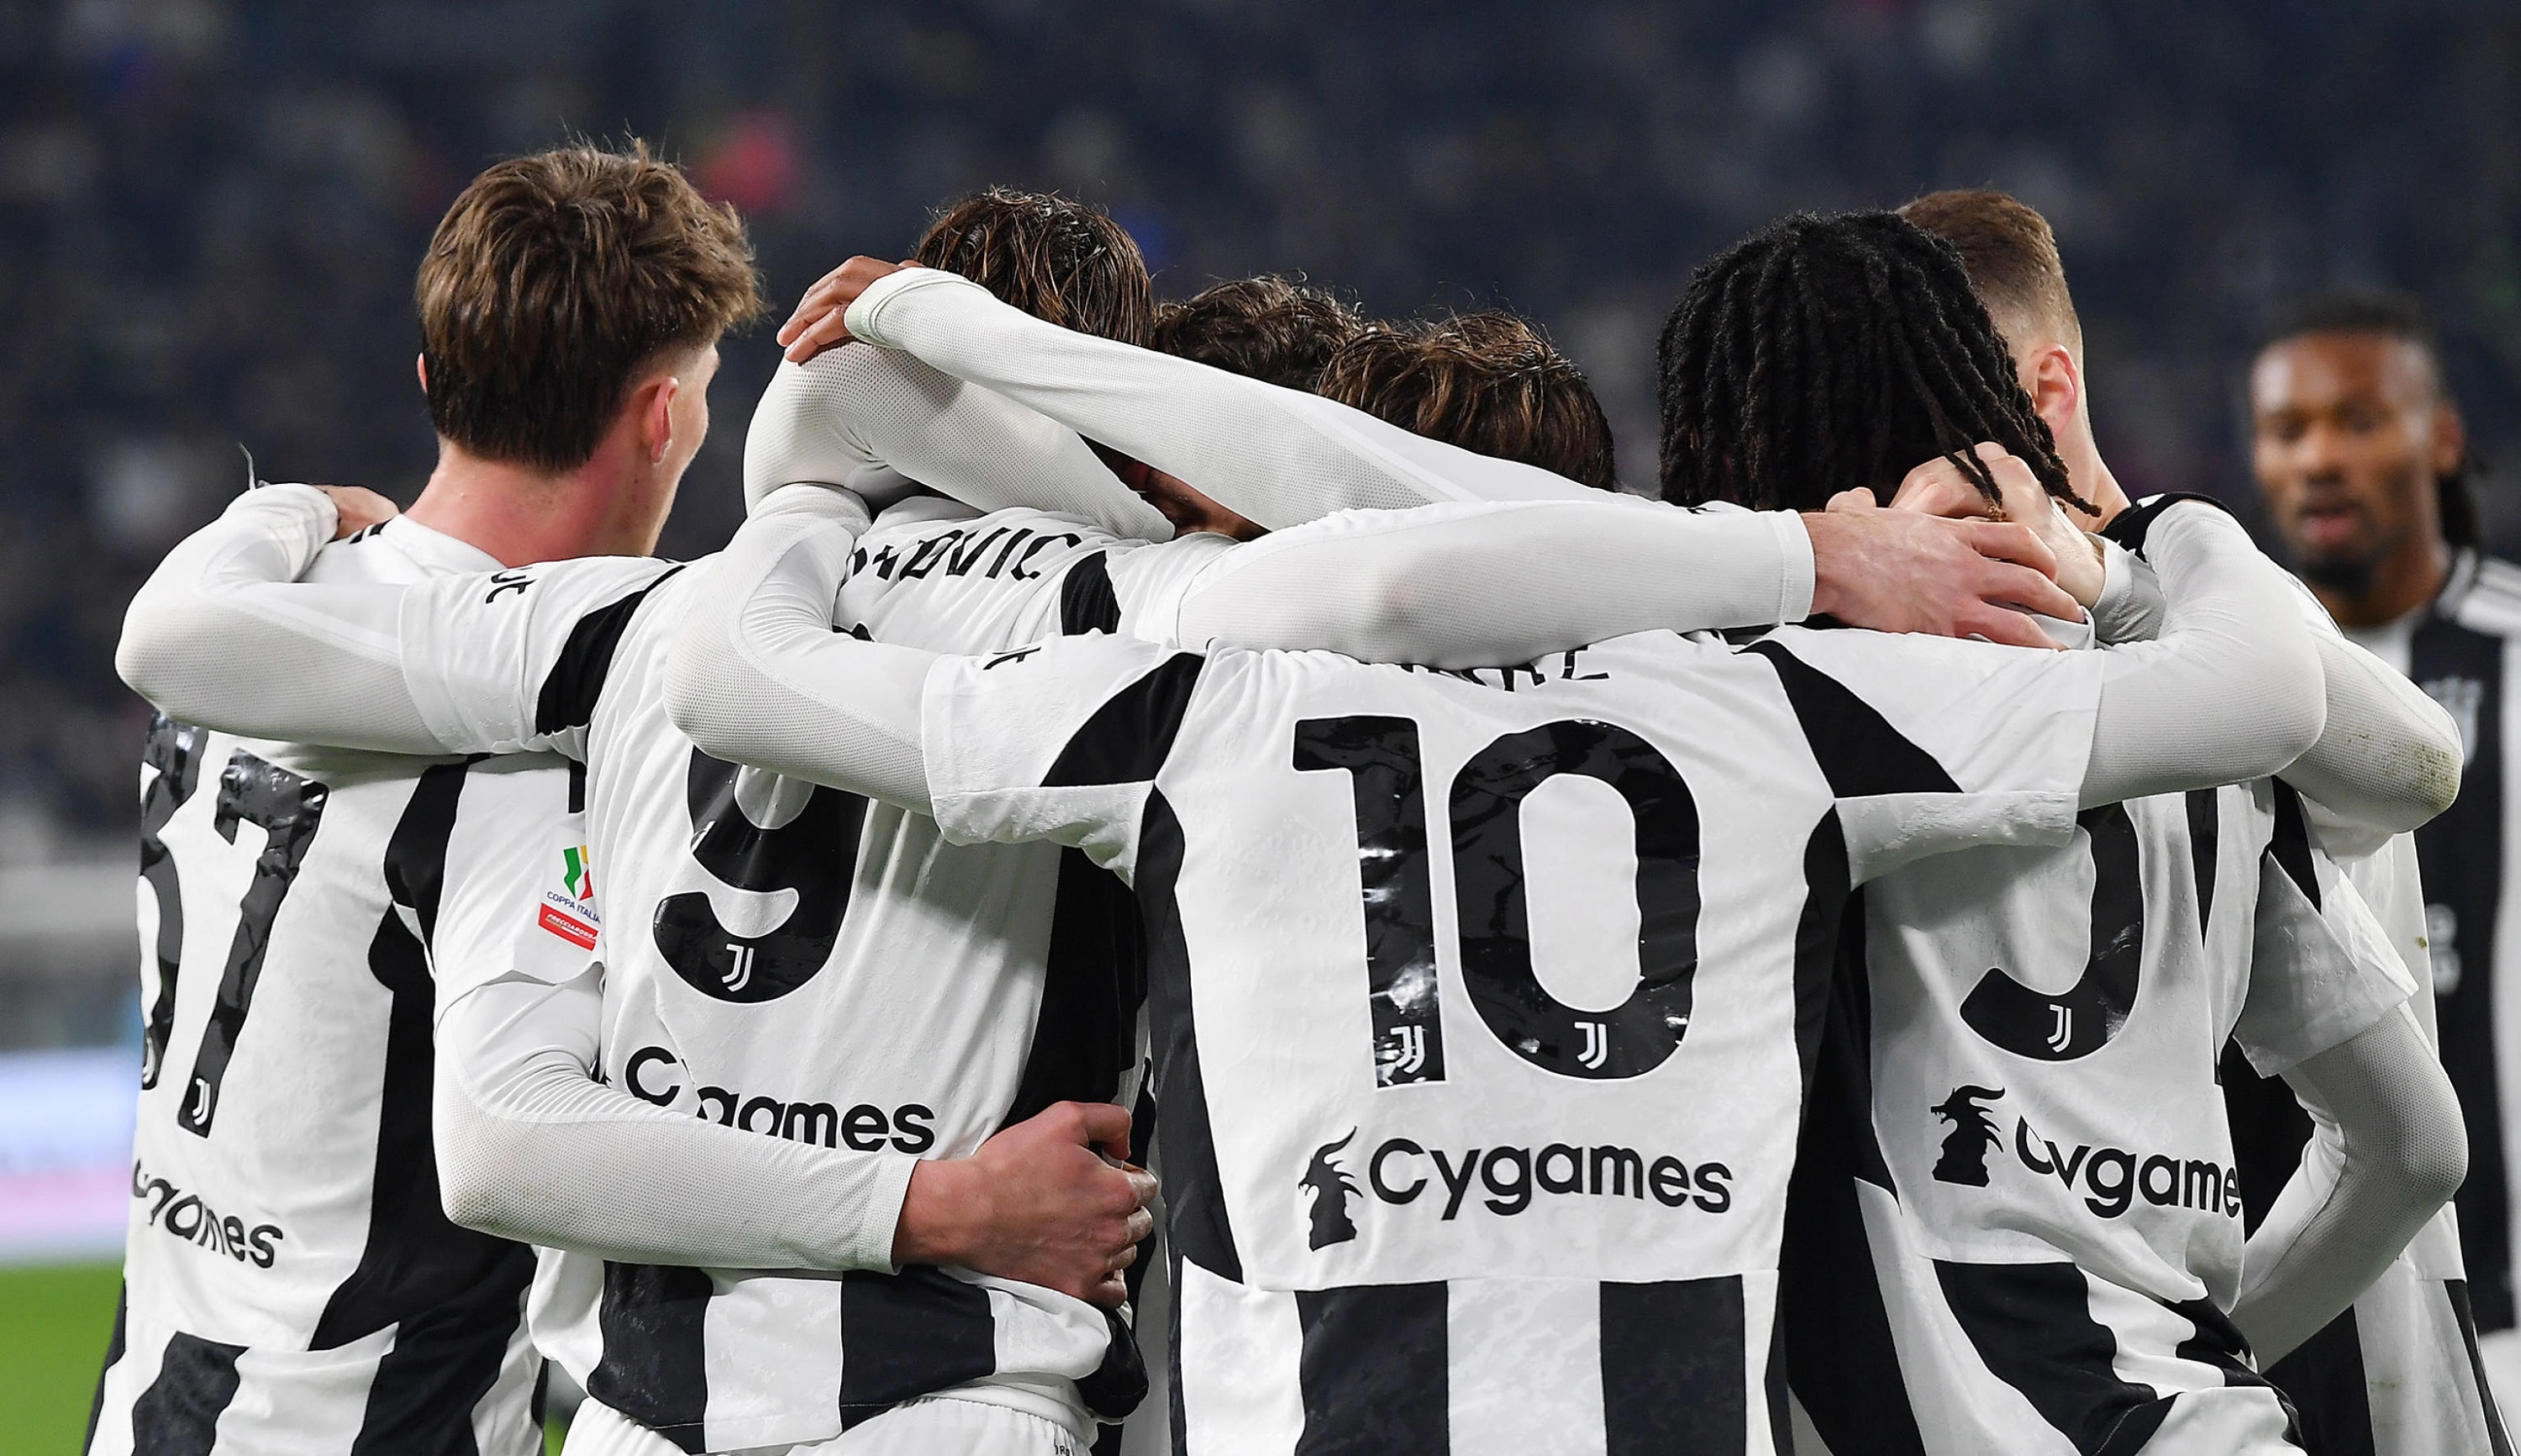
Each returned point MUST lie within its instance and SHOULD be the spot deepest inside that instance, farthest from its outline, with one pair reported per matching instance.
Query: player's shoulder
(2485, 595)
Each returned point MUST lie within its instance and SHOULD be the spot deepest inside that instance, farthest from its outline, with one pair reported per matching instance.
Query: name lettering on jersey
(654, 1074)
(507, 582)
(2111, 1179)
(174, 1211)
(569, 911)
(1567, 666)
(1507, 1180)
(1016, 550)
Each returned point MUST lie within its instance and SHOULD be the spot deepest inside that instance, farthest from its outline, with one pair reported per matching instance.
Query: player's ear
(2056, 386)
(420, 366)
(654, 403)
(2450, 439)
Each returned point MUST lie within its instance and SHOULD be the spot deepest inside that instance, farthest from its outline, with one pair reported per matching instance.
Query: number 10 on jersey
(1484, 817)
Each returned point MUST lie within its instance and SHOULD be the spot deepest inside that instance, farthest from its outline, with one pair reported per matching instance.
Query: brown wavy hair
(1055, 258)
(554, 280)
(1489, 382)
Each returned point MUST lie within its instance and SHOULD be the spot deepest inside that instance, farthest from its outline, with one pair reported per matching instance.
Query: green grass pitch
(54, 1324)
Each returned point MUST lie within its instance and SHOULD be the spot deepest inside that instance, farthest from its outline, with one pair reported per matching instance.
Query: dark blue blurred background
(210, 211)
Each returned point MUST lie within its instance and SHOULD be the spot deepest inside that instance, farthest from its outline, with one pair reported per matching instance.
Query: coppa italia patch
(570, 912)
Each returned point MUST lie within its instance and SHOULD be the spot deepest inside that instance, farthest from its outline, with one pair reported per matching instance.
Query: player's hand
(819, 322)
(1907, 572)
(1939, 489)
(1051, 1200)
(358, 508)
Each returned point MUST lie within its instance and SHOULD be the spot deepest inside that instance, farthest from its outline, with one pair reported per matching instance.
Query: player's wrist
(945, 1203)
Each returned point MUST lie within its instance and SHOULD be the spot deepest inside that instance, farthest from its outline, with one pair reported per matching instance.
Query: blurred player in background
(292, 1282)
(2397, 1371)
(2006, 1289)
(2362, 462)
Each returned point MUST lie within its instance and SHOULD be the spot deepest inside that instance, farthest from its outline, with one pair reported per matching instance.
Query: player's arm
(758, 675)
(212, 638)
(490, 661)
(532, 1146)
(2388, 758)
(2231, 691)
(2387, 1151)
(1274, 455)
(850, 415)
(1469, 585)
(2330, 1008)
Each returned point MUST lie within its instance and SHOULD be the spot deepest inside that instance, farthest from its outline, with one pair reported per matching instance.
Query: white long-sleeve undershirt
(2390, 756)
(1184, 418)
(531, 1147)
(850, 415)
(2387, 1151)
(2229, 691)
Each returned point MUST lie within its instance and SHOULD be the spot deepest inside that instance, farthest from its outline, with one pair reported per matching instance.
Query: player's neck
(519, 515)
(2088, 473)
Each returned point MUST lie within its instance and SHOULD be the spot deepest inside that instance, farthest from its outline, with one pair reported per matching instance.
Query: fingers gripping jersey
(1477, 1050)
(2021, 1120)
(762, 970)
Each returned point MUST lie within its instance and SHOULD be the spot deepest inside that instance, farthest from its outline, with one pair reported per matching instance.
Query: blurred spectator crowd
(210, 209)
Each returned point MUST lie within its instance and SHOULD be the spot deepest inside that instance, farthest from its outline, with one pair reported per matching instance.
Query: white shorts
(935, 1426)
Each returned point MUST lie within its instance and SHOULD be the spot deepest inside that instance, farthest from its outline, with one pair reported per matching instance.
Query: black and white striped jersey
(2464, 649)
(2021, 1122)
(1480, 1001)
(289, 1281)
(2401, 1372)
(800, 963)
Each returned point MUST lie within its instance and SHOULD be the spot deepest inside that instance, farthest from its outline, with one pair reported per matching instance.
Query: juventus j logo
(1408, 1056)
(2062, 1032)
(1597, 1044)
(741, 973)
(201, 1100)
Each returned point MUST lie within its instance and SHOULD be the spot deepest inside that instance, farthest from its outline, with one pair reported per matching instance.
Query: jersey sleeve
(1932, 745)
(506, 661)
(224, 635)
(1061, 741)
(2322, 969)
(1279, 456)
(517, 892)
(1474, 584)
(852, 411)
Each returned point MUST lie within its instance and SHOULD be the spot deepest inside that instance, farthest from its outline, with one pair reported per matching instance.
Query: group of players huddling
(1747, 973)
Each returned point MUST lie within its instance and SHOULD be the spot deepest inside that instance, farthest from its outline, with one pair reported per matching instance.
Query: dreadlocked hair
(1823, 353)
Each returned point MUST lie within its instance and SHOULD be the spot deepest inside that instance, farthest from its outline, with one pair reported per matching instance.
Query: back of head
(1269, 328)
(1823, 353)
(2398, 315)
(1055, 258)
(2011, 255)
(1487, 382)
(554, 280)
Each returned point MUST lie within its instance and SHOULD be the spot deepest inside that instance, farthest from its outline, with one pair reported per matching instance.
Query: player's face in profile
(2345, 435)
